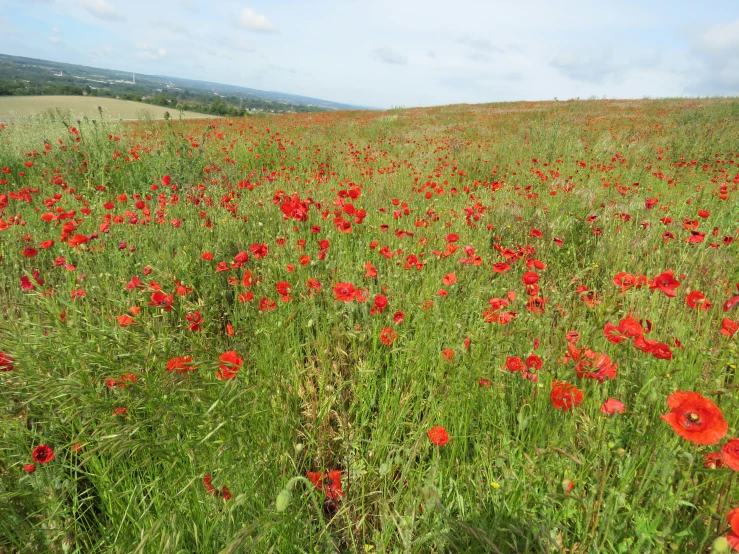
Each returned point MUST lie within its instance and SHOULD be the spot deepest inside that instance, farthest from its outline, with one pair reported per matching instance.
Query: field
(19, 107)
(492, 328)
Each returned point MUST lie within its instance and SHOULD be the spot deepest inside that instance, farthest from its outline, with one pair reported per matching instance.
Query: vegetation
(452, 329)
(29, 77)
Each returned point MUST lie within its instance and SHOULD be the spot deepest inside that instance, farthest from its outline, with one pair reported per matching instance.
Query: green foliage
(318, 390)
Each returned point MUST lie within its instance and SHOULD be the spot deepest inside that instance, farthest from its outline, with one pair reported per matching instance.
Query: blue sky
(387, 53)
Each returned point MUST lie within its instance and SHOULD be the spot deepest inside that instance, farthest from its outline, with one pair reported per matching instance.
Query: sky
(392, 53)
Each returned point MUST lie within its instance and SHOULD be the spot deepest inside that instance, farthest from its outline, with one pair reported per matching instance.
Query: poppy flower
(695, 418)
(125, 320)
(514, 364)
(665, 282)
(6, 362)
(438, 435)
(180, 364)
(329, 483)
(713, 460)
(697, 301)
(730, 453)
(259, 250)
(42, 454)
(728, 327)
(161, 300)
(388, 336)
(730, 303)
(344, 292)
(229, 365)
(565, 396)
(241, 258)
(207, 256)
(29, 468)
(483, 383)
(449, 279)
(613, 406)
(732, 519)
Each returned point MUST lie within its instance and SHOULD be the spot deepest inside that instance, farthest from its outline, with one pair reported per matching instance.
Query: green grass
(318, 390)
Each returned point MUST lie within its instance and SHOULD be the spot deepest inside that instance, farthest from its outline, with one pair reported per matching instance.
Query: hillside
(21, 76)
(15, 107)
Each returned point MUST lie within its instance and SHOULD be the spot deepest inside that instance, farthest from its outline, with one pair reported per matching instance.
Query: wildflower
(6, 362)
(388, 336)
(665, 282)
(695, 418)
(612, 406)
(229, 365)
(730, 453)
(565, 396)
(438, 435)
(344, 292)
(29, 468)
(42, 454)
(180, 364)
(329, 483)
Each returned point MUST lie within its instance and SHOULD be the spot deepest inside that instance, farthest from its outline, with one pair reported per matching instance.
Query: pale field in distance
(15, 107)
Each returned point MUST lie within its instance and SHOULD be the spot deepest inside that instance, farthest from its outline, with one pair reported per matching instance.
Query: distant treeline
(32, 81)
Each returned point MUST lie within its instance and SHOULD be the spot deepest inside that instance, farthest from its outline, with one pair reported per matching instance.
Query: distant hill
(21, 76)
(19, 107)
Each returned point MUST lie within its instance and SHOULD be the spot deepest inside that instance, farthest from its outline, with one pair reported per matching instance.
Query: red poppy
(730, 453)
(530, 278)
(447, 354)
(6, 362)
(514, 363)
(449, 279)
(565, 396)
(729, 327)
(259, 250)
(42, 454)
(241, 258)
(438, 435)
(483, 383)
(29, 468)
(229, 365)
(713, 460)
(161, 300)
(29, 252)
(207, 256)
(697, 300)
(388, 336)
(732, 519)
(329, 483)
(345, 292)
(398, 317)
(125, 320)
(695, 418)
(665, 282)
(180, 364)
(613, 406)
(534, 362)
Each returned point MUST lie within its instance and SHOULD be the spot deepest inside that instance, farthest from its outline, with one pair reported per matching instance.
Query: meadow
(74, 107)
(491, 328)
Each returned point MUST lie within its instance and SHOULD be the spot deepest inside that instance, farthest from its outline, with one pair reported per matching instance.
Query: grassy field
(494, 328)
(15, 107)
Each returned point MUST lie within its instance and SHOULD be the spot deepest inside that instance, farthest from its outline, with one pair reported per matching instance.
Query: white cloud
(390, 56)
(148, 51)
(101, 9)
(241, 44)
(249, 19)
(724, 36)
(54, 39)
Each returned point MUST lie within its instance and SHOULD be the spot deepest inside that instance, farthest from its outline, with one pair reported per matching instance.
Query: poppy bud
(283, 500)
(720, 546)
